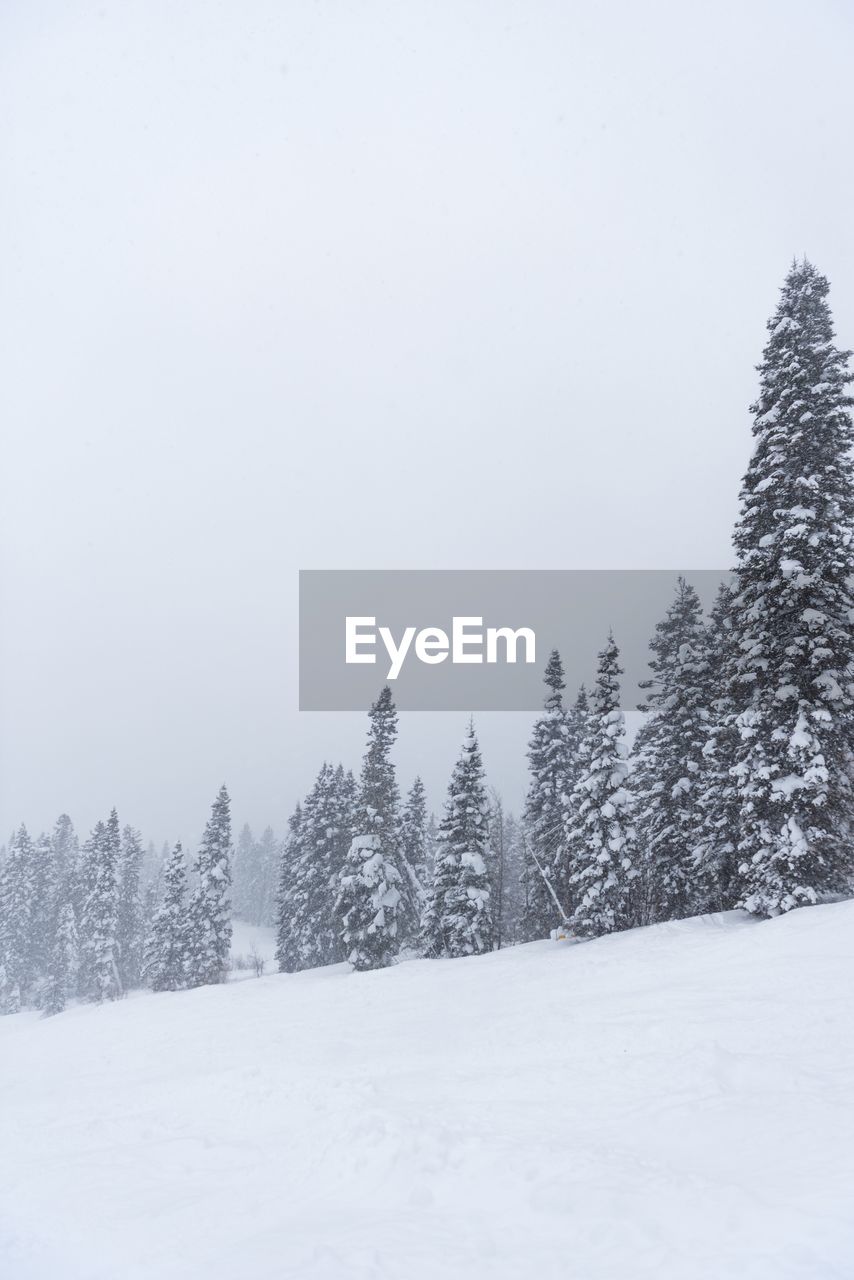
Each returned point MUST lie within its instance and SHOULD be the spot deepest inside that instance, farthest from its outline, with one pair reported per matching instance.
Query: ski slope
(674, 1102)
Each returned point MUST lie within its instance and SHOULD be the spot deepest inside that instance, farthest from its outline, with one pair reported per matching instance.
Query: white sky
(368, 285)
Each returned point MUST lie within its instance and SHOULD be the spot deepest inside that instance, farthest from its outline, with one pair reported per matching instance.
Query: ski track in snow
(672, 1102)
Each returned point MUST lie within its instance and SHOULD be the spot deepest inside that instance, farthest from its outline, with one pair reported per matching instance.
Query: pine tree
(501, 870)
(598, 814)
(66, 849)
(289, 898)
(130, 918)
(309, 927)
(414, 832)
(548, 760)
(563, 870)
(44, 889)
(325, 840)
(793, 604)
(458, 917)
(669, 773)
(412, 863)
(210, 905)
(16, 908)
(716, 847)
(66, 863)
(61, 981)
(99, 974)
(431, 841)
(370, 885)
(153, 870)
(168, 955)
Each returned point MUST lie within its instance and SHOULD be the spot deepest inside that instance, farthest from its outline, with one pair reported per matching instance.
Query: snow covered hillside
(673, 1102)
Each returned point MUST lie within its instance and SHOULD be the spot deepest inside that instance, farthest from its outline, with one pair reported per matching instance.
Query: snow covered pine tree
(669, 770)
(793, 606)
(414, 838)
(210, 905)
(167, 960)
(599, 831)
(370, 886)
(44, 888)
(129, 918)
(548, 764)
(62, 963)
(289, 897)
(99, 972)
(16, 906)
(315, 863)
(458, 913)
(715, 885)
(564, 867)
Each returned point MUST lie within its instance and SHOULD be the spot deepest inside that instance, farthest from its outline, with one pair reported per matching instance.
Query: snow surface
(244, 937)
(672, 1103)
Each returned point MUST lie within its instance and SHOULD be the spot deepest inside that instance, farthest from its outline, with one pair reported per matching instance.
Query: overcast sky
(367, 285)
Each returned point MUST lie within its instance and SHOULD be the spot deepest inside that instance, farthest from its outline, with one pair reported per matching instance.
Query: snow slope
(674, 1102)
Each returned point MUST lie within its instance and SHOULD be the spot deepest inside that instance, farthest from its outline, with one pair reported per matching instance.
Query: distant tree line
(739, 791)
(96, 920)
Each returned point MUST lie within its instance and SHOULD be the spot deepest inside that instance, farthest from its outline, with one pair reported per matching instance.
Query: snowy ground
(252, 939)
(672, 1103)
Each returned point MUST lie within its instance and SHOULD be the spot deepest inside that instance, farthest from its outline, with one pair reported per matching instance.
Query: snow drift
(671, 1102)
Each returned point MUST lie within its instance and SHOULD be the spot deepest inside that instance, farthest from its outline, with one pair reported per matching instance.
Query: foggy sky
(375, 285)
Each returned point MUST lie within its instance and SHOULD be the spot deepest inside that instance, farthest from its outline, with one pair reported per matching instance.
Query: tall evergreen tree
(168, 957)
(370, 884)
(599, 828)
(325, 836)
(65, 847)
(414, 832)
(458, 917)
(44, 888)
(563, 869)
(66, 862)
(795, 560)
(130, 917)
(210, 905)
(320, 832)
(716, 847)
(61, 979)
(289, 899)
(669, 773)
(548, 760)
(16, 909)
(153, 870)
(430, 842)
(65, 851)
(99, 973)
